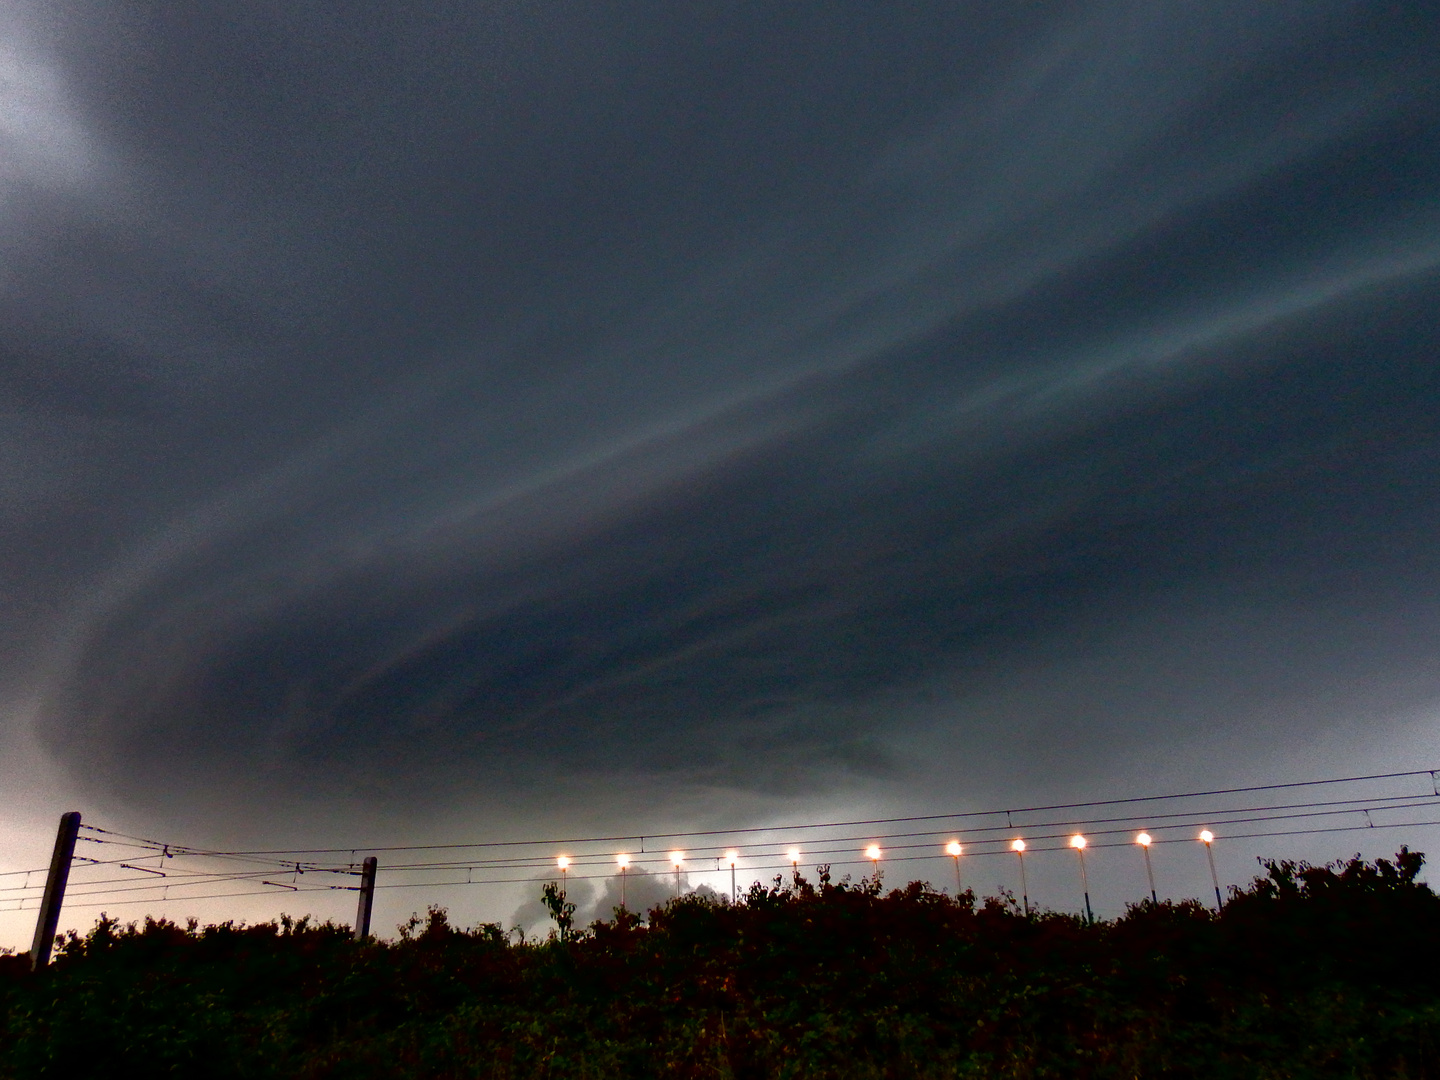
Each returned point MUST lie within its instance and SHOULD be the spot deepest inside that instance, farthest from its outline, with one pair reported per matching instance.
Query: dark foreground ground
(1309, 972)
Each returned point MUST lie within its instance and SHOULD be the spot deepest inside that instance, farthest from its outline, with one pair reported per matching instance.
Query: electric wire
(858, 859)
(781, 861)
(1223, 817)
(180, 869)
(1193, 821)
(552, 842)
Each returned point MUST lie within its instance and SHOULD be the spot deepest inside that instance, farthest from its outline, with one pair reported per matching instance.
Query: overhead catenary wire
(778, 865)
(174, 874)
(207, 896)
(858, 859)
(165, 873)
(1216, 816)
(180, 874)
(755, 860)
(158, 845)
(778, 860)
(1192, 821)
(750, 830)
(179, 850)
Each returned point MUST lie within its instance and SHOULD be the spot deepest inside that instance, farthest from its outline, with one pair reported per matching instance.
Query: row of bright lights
(874, 853)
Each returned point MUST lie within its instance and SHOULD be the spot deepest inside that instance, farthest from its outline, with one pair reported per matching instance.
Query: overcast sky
(544, 415)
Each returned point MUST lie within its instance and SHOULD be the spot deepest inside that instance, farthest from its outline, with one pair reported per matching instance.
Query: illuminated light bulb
(1206, 836)
(1143, 839)
(953, 850)
(873, 852)
(1018, 846)
(563, 862)
(794, 856)
(731, 858)
(1078, 843)
(677, 859)
(623, 860)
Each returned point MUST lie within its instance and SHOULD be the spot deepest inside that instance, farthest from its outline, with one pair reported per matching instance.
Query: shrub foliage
(1311, 971)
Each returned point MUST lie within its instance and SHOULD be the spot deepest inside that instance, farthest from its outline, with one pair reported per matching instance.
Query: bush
(1311, 971)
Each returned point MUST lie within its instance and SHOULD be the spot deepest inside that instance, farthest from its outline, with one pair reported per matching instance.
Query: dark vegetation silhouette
(1311, 971)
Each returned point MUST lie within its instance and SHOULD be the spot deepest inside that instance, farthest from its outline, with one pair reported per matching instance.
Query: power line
(764, 866)
(180, 869)
(786, 864)
(176, 899)
(1217, 818)
(958, 815)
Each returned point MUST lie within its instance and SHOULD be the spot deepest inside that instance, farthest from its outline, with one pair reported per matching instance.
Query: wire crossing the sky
(115, 869)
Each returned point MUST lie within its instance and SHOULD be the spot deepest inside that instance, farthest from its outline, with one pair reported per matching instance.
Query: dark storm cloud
(397, 397)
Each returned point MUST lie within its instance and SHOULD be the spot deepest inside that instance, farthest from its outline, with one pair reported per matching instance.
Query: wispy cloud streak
(670, 410)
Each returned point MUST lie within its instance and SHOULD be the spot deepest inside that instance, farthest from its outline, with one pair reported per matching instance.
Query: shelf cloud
(755, 398)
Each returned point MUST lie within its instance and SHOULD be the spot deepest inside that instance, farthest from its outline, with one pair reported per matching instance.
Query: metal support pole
(734, 896)
(622, 888)
(367, 897)
(1024, 888)
(957, 874)
(1085, 887)
(1214, 877)
(49, 920)
(1149, 873)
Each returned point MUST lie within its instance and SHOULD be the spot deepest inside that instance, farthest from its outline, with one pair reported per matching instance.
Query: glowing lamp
(1018, 846)
(623, 860)
(794, 856)
(677, 859)
(1143, 839)
(873, 852)
(1206, 836)
(1078, 843)
(563, 862)
(731, 858)
(953, 850)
